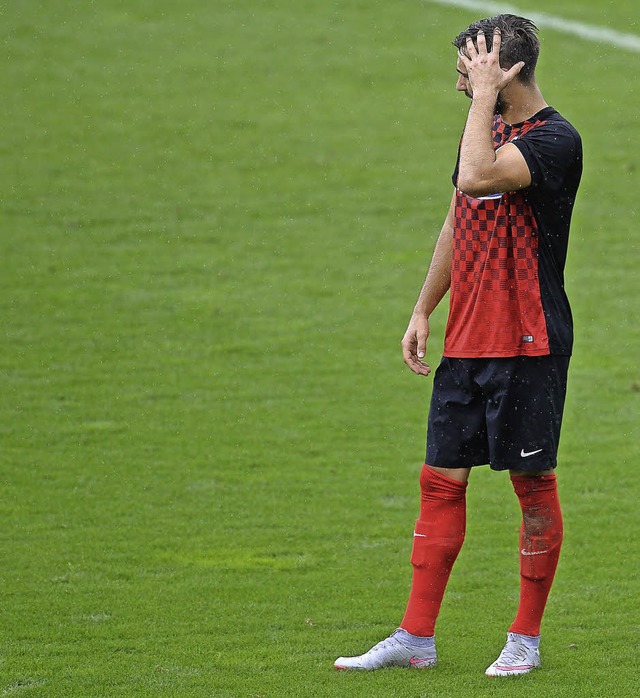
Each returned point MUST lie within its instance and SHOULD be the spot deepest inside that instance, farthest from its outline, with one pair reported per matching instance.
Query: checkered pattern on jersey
(503, 133)
(495, 294)
(495, 248)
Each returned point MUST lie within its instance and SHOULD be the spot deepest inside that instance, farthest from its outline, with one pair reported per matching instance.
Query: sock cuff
(424, 641)
(532, 641)
(436, 482)
(524, 485)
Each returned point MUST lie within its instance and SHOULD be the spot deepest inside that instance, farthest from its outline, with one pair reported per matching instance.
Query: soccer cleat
(515, 659)
(391, 652)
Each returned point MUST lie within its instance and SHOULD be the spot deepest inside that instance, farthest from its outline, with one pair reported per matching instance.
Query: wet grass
(215, 221)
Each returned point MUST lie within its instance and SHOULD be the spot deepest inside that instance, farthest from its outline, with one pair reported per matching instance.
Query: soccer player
(499, 391)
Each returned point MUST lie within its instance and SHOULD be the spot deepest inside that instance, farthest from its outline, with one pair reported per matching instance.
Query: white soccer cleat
(515, 659)
(391, 652)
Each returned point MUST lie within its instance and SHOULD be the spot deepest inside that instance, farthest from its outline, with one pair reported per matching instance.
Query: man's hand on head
(486, 77)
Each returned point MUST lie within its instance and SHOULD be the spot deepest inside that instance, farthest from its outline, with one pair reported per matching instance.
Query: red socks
(438, 537)
(540, 541)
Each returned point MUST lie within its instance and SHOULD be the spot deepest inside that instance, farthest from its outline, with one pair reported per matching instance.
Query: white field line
(584, 31)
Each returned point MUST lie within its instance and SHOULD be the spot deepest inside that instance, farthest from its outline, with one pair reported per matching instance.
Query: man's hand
(414, 345)
(483, 67)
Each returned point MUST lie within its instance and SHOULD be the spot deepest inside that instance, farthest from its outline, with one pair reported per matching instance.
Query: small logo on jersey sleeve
(527, 338)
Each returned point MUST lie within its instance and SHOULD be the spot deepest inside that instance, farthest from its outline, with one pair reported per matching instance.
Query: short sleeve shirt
(509, 249)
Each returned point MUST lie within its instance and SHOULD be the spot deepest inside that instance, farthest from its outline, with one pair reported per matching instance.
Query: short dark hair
(519, 41)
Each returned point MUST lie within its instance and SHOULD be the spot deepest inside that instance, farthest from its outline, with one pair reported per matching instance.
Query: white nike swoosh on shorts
(526, 454)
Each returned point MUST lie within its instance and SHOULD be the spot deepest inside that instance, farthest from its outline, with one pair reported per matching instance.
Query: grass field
(216, 217)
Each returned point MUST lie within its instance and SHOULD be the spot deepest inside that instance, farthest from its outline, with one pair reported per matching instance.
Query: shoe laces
(391, 642)
(514, 652)
(384, 644)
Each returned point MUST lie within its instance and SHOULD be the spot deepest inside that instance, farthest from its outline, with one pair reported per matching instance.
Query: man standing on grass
(498, 394)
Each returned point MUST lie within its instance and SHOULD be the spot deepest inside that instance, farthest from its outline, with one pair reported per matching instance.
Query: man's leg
(438, 537)
(540, 541)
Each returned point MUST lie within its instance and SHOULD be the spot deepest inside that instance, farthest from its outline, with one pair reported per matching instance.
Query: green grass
(215, 221)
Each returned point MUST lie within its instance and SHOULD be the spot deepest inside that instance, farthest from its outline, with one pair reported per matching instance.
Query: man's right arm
(436, 284)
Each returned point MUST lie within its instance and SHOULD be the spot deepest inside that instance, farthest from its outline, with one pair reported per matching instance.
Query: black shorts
(506, 412)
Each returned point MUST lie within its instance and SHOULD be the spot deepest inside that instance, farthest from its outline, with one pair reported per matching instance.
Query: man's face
(463, 79)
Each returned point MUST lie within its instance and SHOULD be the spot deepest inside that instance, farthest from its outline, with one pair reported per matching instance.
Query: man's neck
(520, 102)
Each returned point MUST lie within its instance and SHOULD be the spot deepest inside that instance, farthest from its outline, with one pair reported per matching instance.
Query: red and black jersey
(509, 249)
